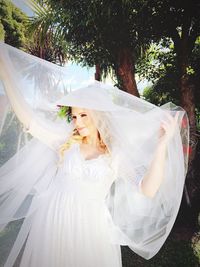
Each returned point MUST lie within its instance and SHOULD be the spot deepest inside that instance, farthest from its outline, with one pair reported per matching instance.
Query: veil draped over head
(31, 134)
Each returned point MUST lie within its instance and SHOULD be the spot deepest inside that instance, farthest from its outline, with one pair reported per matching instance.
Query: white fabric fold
(129, 127)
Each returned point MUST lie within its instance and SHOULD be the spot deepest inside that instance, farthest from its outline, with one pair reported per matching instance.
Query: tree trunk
(41, 52)
(97, 73)
(187, 87)
(187, 102)
(126, 72)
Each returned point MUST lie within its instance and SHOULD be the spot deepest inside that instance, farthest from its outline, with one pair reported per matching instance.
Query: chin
(84, 132)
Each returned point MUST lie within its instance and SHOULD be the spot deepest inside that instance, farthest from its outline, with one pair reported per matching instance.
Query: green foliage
(159, 66)
(156, 97)
(44, 40)
(95, 31)
(2, 32)
(196, 242)
(14, 22)
(174, 71)
(51, 50)
(169, 19)
(156, 61)
(65, 112)
(196, 245)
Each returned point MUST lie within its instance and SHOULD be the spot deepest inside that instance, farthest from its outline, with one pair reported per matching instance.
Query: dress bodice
(90, 178)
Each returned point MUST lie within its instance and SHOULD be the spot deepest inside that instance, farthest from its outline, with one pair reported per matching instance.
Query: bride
(109, 173)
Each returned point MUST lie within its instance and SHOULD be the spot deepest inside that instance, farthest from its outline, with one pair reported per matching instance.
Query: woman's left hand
(167, 128)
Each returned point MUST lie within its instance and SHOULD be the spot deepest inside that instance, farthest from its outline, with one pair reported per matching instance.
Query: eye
(83, 115)
(73, 117)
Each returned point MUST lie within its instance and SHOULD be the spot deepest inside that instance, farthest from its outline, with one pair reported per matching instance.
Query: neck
(92, 140)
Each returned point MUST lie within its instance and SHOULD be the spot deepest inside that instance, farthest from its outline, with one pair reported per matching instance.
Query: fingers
(167, 127)
(170, 118)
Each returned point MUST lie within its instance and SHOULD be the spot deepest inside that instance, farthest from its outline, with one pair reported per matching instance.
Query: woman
(112, 175)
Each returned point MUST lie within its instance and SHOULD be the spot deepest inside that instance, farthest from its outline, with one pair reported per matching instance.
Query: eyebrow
(79, 113)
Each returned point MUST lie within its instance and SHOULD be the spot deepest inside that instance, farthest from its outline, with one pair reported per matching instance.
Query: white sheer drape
(129, 127)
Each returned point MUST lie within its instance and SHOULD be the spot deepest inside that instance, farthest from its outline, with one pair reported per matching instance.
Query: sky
(77, 76)
(22, 4)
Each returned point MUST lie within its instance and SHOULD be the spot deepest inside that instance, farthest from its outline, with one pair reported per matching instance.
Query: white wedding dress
(71, 224)
(77, 213)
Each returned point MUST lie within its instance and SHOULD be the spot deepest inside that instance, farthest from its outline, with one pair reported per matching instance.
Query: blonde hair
(77, 138)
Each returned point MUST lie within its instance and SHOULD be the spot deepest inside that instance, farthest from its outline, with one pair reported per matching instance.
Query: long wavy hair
(77, 138)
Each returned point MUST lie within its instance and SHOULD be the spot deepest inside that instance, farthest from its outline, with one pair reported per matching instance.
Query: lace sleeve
(133, 175)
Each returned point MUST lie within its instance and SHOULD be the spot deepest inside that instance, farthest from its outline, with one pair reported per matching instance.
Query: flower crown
(65, 112)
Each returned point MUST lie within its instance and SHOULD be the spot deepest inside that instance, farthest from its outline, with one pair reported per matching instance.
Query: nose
(79, 123)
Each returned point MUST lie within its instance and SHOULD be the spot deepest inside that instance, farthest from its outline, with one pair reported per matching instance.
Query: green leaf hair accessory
(65, 112)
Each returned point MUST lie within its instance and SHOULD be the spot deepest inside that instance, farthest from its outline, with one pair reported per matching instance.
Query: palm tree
(45, 40)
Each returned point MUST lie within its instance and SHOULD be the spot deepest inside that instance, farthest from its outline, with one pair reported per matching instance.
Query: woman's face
(83, 121)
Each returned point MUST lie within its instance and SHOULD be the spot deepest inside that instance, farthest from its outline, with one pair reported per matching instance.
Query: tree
(178, 21)
(101, 34)
(12, 24)
(49, 49)
(2, 32)
(42, 40)
(160, 67)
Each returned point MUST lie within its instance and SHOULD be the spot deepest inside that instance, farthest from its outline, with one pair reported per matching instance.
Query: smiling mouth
(79, 129)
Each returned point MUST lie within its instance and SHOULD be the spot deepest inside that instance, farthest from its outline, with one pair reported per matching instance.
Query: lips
(79, 129)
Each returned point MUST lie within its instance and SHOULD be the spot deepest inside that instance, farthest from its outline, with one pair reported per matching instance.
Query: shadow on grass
(7, 238)
(174, 253)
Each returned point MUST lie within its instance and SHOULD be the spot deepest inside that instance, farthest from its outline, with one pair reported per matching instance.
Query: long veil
(31, 134)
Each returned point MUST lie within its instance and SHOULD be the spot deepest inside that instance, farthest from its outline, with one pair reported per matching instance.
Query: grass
(7, 238)
(176, 252)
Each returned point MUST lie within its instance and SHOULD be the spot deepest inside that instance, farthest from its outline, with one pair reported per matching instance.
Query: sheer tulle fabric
(31, 89)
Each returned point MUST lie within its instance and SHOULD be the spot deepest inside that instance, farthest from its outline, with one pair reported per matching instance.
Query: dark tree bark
(97, 73)
(183, 46)
(41, 53)
(126, 72)
(187, 102)
(187, 86)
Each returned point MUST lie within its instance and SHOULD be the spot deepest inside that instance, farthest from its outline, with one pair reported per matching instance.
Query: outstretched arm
(47, 131)
(155, 175)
